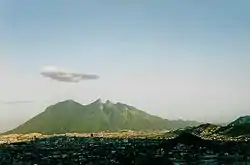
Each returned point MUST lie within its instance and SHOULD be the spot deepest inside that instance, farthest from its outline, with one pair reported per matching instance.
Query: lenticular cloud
(66, 76)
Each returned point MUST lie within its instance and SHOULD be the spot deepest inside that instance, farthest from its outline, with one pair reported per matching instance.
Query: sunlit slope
(70, 116)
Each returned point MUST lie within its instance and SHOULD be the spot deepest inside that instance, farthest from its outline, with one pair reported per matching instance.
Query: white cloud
(66, 76)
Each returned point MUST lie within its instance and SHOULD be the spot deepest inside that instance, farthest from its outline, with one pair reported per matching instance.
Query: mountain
(241, 120)
(70, 116)
(239, 127)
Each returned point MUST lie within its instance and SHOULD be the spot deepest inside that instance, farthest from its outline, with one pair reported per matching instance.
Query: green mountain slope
(241, 120)
(239, 127)
(70, 116)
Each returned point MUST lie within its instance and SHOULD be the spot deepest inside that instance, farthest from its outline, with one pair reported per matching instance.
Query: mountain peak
(97, 104)
(63, 106)
(94, 117)
(68, 102)
(108, 102)
(98, 101)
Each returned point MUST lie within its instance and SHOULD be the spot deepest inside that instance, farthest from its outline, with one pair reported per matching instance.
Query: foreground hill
(69, 116)
(204, 129)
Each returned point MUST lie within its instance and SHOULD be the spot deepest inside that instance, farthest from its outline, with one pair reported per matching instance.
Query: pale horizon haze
(175, 59)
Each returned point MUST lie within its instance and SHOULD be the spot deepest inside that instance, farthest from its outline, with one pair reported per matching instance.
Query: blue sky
(177, 59)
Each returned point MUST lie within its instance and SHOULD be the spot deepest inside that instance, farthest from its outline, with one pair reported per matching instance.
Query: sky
(175, 59)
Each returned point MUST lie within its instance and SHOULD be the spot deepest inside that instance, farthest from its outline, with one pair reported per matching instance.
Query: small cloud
(66, 76)
(16, 102)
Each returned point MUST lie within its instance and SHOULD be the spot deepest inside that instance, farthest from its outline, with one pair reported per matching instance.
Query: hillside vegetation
(71, 117)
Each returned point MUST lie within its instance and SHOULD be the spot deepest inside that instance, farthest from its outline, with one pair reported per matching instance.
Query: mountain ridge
(70, 116)
(241, 120)
(240, 127)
